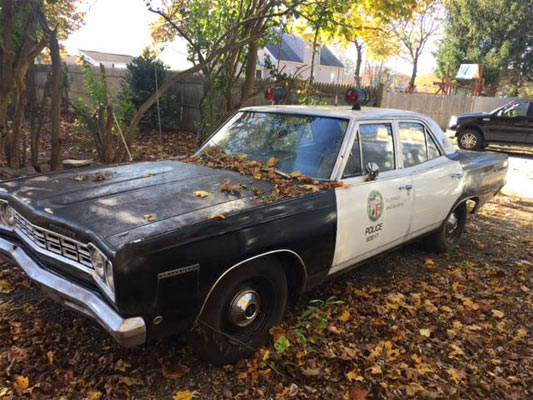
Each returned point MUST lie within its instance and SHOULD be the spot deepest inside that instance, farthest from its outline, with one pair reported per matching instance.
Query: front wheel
(470, 140)
(448, 236)
(240, 312)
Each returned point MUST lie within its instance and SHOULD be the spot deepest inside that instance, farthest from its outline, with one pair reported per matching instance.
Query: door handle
(406, 187)
(457, 176)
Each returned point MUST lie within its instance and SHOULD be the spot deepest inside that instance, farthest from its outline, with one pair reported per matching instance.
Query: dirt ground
(408, 324)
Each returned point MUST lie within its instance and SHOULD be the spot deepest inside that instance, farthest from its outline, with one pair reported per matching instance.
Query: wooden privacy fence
(441, 107)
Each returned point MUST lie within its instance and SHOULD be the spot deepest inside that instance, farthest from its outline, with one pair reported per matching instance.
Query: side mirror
(372, 171)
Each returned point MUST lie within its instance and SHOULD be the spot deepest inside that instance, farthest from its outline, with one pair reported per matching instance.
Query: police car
(140, 253)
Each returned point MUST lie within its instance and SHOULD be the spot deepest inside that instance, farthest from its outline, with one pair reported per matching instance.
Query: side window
(417, 144)
(376, 145)
(413, 139)
(516, 110)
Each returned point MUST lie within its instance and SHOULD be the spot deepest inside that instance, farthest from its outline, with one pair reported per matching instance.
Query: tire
(225, 333)
(448, 236)
(470, 140)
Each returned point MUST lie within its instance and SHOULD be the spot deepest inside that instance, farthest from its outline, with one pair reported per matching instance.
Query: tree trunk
(412, 86)
(6, 68)
(251, 65)
(312, 71)
(13, 143)
(55, 105)
(359, 62)
(36, 130)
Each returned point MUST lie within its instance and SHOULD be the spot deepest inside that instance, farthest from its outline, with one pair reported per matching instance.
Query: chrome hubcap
(244, 308)
(451, 223)
(469, 140)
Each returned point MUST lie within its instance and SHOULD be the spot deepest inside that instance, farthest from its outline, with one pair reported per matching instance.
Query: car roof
(366, 113)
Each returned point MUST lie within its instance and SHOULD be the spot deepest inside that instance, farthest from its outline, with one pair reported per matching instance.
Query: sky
(123, 27)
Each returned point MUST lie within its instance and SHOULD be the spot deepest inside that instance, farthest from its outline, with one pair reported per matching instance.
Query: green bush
(139, 84)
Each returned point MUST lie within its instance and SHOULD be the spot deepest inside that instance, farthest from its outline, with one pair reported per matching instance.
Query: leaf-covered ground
(408, 324)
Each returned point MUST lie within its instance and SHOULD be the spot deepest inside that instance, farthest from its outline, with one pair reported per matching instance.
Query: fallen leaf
(148, 174)
(272, 161)
(98, 177)
(201, 193)
(81, 178)
(456, 375)
(295, 174)
(184, 395)
(5, 287)
(93, 396)
(50, 356)
(176, 373)
(376, 369)
(122, 365)
(345, 316)
(21, 383)
(425, 332)
(354, 376)
(497, 313)
(150, 217)
(357, 393)
(446, 309)
(257, 173)
(311, 188)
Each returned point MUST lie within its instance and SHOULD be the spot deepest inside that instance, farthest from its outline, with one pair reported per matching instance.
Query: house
(292, 53)
(110, 60)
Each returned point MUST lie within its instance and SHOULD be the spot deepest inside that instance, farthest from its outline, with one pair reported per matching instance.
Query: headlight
(98, 261)
(453, 121)
(7, 215)
(109, 279)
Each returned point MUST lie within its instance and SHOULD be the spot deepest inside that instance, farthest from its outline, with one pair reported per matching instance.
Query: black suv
(511, 124)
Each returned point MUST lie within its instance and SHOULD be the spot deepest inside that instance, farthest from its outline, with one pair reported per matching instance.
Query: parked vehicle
(511, 124)
(136, 248)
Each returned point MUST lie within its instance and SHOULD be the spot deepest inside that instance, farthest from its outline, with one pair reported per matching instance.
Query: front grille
(69, 250)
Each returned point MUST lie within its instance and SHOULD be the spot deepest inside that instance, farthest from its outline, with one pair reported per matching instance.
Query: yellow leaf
(201, 193)
(5, 287)
(217, 216)
(456, 375)
(184, 395)
(311, 188)
(295, 174)
(148, 174)
(50, 356)
(376, 369)
(354, 376)
(446, 309)
(521, 333)
(425, 332)
(122, 365)
(497, 313)
(413, 389)
(257, 173)
(21, 383)
(345, 316)
(429, 262)
(456, 286)
(94, 396)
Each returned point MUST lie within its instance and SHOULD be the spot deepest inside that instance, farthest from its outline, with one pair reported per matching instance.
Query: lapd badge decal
(374, 205)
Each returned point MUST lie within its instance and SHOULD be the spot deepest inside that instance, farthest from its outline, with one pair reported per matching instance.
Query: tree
(497, 34)
(413, 33)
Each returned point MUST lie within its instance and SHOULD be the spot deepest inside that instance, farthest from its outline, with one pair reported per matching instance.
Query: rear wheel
(240, 312)
(470, 140)
(448, 236)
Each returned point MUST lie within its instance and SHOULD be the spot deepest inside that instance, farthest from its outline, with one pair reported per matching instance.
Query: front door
(511, 124)
(372, 216)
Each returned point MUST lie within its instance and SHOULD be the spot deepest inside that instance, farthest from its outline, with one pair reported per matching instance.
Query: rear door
(512, 124)
(372, 216)
(437, 180)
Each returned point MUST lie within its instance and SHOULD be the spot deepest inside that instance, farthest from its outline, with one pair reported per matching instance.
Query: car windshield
(304, 143)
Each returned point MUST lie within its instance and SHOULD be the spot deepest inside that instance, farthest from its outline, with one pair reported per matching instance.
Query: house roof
(107, 57)
(293, 47)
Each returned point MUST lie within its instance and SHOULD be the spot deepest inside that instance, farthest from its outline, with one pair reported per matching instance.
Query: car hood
(472, 115)
(133, 201)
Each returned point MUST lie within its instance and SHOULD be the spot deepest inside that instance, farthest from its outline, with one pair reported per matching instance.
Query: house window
(258, 74)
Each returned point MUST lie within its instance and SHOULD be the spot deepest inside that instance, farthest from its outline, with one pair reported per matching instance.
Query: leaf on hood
(81, 178)
(217, 216)
(98, 177)
(148, 175)
(201, 193)
(150, 217)
(295, 174)
(311, 188)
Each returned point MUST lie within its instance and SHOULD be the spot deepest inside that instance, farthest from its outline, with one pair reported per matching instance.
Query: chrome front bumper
(128, 332)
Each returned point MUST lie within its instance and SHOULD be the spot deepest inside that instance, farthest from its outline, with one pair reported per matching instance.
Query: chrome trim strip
(243, 262)
(179, 271)
(128, 332)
